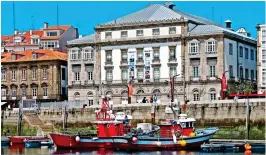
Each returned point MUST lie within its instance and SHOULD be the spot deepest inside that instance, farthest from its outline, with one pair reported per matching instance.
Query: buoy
(192, 134)
(248, 152)
(77, 139)
(183, 142)
(247, 146)
(159, 143)
(134, 139)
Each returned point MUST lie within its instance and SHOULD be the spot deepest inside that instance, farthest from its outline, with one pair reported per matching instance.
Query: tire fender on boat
(134, 139)
(77, 139)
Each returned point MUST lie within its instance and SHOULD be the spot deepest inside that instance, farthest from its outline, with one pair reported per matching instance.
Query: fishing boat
(4, 141)
(37, 143)
(114, 134)
(20, 139)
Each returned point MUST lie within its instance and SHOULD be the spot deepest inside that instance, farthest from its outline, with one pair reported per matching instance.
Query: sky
(86, 15)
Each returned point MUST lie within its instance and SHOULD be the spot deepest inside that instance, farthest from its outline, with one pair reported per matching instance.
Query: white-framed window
(44, 91)
(124, 55)
(23, 92)
(156, 73)
(212, 71)
(172, 53)
(35, 41)
(34, 92)
(230, 49)
(108, 35)
(212, 94)
(140, 54)
(24, 74)
(3, 92)
(90, 98)
(156, 31)
(124, 74)
(123, 34)
(34, 74)
(90, 75)
(172, 30)
(139, 32)
(109, 56)
(14, 91)
(196, 96)
(140, 73)
(77, 76)
(44, 73)
(241, 51)
(156, 54)
(75, 55)
(87, 54)
(13, 75)
(193, 48)
(51, 33)
(172, 71)
(195, 71)
(109, 75)
(210, 46)
(3, 74)
(49, 44)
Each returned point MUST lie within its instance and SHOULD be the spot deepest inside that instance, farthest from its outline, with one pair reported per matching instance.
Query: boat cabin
(182, 127)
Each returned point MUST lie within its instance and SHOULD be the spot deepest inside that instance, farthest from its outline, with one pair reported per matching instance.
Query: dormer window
(51, 33)
(35, 41)
(34, 56)
(13, 56)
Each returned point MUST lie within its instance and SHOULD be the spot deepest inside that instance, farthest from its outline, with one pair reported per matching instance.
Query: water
(46, 151)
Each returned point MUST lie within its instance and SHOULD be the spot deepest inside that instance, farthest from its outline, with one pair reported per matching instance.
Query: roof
(213, 29)
(27, 55)
(63, 27)
(83, 40)
(26, 38)
(157, 12)
(242, 30)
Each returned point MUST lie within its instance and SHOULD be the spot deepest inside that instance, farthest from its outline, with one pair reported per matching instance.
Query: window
(35, 41)
(51, 33)
(196, 95)
(44, 92)
(246, 73)
(193, 48)
(263, 54)
(156, 31)
(3, 74)
(13, 75)
(123, 34)
(230, 49)
(109, 56)
(33, 74)
(212, 94)
(124, 55)
(263, 33)
(156, 54)
(246, 53)
(231, 73)
(77, 77)
(63, 74)
(156, 73)
(139, 32)
(108, 35)
(24, 74)
(3, 92)
(210, 46)
(34, 55)
(241, 51)
(241, 72)
(172, 30)
(34, 92)
(252, 54)
(140, 73)
(90, 98)
(14, 92)
(13, 57)
(195, 71)
(109, 75)
(212, 71)
(172, 53)
(252, 74)
(124, 74)
(75, 54)
(44, 73)
(23, 92)
(87, 54)
(140, 55)
(90, 101)
(172, 71)
(90, 75)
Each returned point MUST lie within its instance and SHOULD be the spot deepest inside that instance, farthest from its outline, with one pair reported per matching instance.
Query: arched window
(140, 95)
(196, 96)
(157, 92)
(210, 46)
(124, 97)
(90, 98)
(109, 94)
(77, 95)
(212, 93)
(193, 47)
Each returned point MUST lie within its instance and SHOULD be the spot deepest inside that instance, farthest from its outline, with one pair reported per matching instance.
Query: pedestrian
(151, 99)
(8, 132)
(144, 100)
(155, 98)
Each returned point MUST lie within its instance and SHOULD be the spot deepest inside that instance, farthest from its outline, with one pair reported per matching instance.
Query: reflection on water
(20, 150)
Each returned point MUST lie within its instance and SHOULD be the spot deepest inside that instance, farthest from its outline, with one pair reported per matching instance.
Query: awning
(3, 103)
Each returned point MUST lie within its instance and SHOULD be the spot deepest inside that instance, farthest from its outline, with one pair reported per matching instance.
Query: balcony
(140, 62)
(211, 54)
(3, 97)
(140, 80)
(194, 55)
(76, 83)
(195, 78)
(75, 61)
(109, 63)
(156, 61)
(124, 63)
(88, 82)
(211, 78)
(172, 61)
(91, 60)
(14, 97)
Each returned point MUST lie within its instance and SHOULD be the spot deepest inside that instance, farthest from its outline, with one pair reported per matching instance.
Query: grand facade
(152, 45)
(261, 57)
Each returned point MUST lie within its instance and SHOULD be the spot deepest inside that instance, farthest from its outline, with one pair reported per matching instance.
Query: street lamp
(172, 82)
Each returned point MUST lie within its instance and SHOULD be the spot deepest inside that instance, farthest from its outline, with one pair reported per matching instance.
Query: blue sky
(86, 15)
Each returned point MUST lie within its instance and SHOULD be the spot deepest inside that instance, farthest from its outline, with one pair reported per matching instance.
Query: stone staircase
(35, 121)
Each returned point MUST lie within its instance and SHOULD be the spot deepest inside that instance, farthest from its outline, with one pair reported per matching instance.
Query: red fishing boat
(113, 134)
(20, 139)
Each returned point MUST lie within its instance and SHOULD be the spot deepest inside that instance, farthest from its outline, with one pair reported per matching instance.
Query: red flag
(130, 90)
(224, 83)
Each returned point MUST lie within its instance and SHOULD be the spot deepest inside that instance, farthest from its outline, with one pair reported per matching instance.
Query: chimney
(15, 32)
(228, 24)
(30, 31)
(45, 25)
(77, 32)
(170, 5)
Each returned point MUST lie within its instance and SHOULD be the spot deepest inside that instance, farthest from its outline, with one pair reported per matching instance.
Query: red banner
(130, 90)
(224, 83)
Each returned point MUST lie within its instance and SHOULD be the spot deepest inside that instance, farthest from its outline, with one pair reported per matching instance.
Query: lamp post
(223, 84)
(172, 82)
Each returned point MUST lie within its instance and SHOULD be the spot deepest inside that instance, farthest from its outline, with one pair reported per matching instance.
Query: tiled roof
(63, 27)
(157, 12)
(45, 54)
(26, 40)
(83, 40)
(6, 38)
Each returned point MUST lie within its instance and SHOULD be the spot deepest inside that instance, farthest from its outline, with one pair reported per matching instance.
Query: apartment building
(261, 57)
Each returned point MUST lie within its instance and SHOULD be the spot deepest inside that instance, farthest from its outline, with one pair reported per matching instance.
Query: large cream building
(152, 45)
(261, 57)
